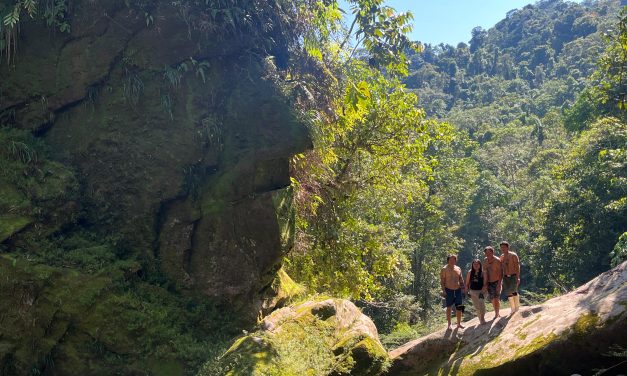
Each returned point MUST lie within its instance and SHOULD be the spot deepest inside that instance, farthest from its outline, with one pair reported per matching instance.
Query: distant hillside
(538, 57)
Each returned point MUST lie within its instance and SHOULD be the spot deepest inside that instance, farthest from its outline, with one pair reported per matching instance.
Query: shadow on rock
(449, 347)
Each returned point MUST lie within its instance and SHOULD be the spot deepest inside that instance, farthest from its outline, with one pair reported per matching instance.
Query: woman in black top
(476, 282)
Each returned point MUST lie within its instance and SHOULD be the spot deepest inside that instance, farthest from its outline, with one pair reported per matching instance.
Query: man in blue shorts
(452, 284)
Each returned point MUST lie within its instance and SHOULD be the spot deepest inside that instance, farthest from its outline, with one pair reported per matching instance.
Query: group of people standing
(485, 279)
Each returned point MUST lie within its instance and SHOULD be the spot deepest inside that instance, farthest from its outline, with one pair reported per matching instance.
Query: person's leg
(474, 296)
(481, 307)
(459, 307)
(448, 315)
(509, 286)
(494, 297)
(512, 304)
(459, 318)
(476, 302)
(450, 300)
(516, 295)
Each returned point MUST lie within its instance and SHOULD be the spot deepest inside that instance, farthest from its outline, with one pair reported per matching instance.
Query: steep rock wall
(144, 188)
(181, 143)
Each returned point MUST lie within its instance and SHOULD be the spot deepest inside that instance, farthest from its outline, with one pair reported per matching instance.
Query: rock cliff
(146, 151)
(180, 144)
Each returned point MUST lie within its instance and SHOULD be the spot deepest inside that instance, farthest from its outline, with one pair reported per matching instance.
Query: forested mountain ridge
(500, 152)
(537, 58)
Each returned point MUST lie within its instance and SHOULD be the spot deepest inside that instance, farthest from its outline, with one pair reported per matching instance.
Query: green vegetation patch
(66, 321)
(33, 189)
(10, 224)
(586, 324)
(283, 291)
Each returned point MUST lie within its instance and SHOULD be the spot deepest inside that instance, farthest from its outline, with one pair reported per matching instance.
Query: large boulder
(571, 334)
(329, 337)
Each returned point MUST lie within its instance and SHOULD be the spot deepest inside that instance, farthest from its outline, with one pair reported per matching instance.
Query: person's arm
(517, 271)
(468, 281)
(442, 285)
(461, 280)
(486, 273)
(501, 273)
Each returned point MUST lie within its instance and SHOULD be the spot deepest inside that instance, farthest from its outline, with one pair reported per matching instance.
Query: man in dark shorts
(511, 276)
(452, 284)
(494, 272)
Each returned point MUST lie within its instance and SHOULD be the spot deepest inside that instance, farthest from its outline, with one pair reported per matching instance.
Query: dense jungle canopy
(173, 171)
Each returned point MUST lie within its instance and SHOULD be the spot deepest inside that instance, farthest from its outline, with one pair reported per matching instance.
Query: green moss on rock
(535, 345)
(308, 339)
(36, 194)
(586, 324)
(282, 291)
(10, 224)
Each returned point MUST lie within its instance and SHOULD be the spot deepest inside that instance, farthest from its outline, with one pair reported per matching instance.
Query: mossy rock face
(145, 167)
(180, 140)
(570, 334)
(37, 196)
(330, 337)
(282, 291)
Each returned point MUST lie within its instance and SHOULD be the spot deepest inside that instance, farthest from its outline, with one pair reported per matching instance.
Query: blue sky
(450, 21)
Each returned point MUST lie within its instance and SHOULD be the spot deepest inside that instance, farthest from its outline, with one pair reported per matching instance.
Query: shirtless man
(511, 276)
(494, 272)
(452, 284)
